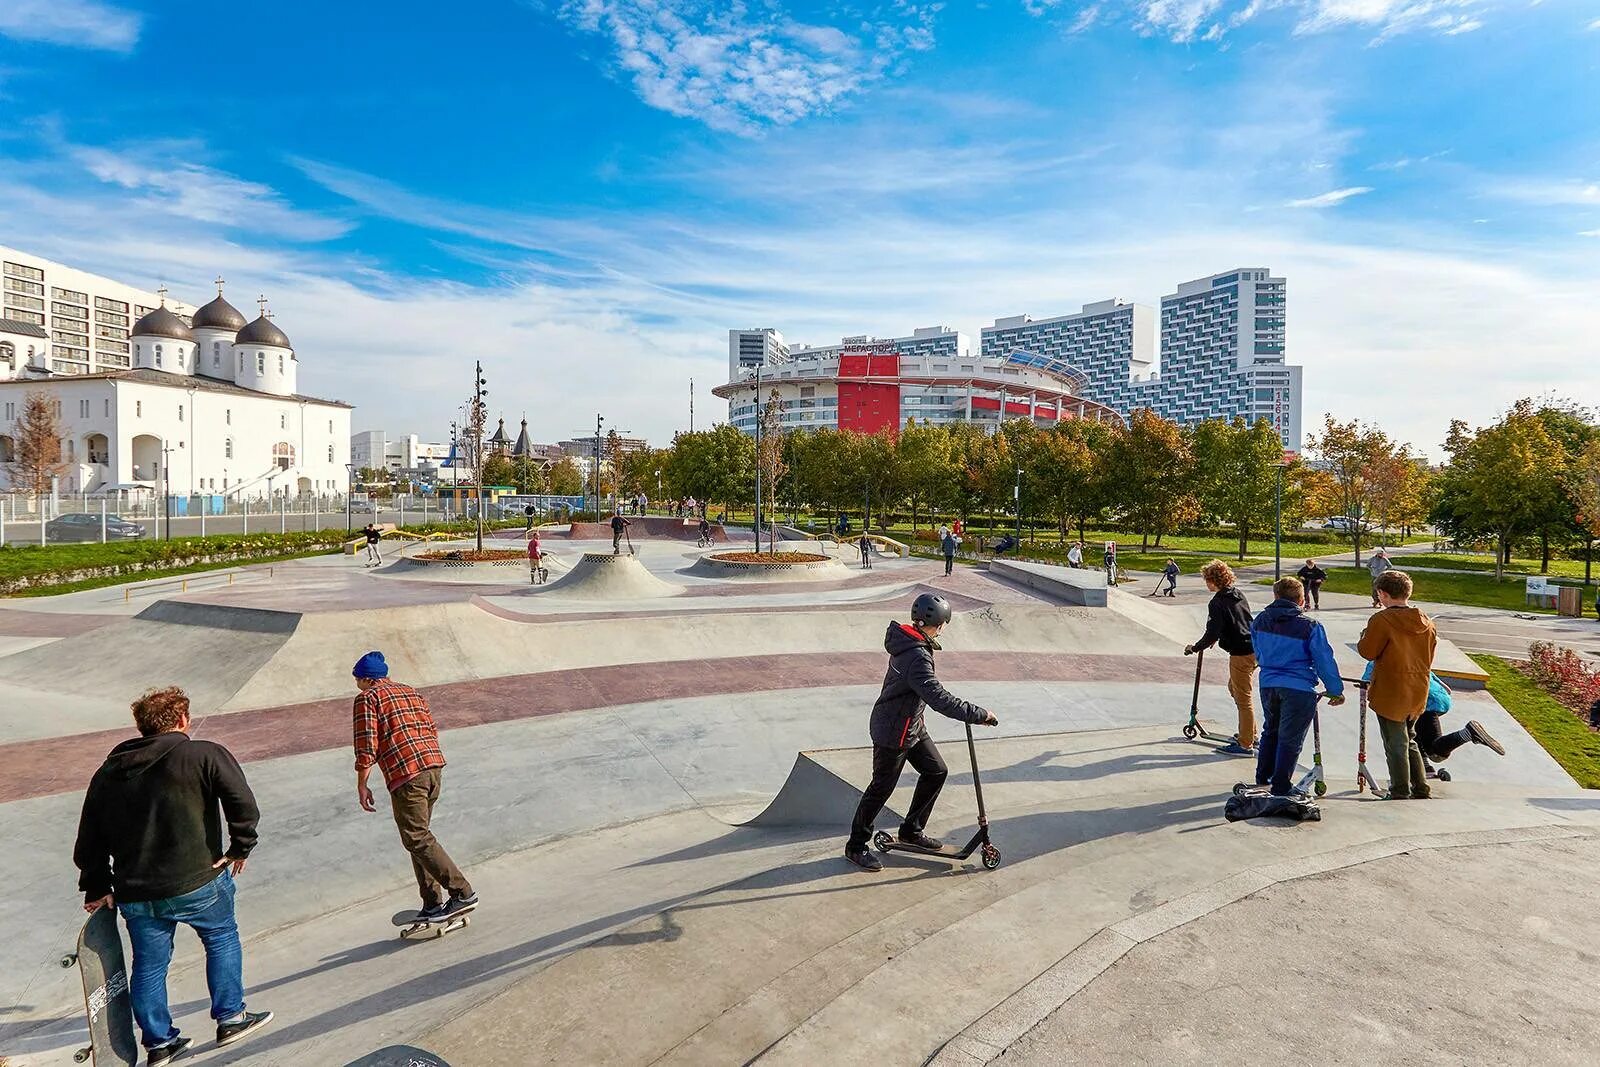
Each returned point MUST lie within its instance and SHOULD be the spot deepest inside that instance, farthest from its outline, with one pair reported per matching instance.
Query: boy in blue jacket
(1293, 652)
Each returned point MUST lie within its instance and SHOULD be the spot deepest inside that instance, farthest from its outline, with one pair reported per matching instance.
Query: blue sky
(586, 194)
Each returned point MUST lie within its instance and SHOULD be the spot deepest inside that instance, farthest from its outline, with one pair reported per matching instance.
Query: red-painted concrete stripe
(18, 623)
(64, 764)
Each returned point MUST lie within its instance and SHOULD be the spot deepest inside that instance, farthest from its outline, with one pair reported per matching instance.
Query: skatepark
(651, 772)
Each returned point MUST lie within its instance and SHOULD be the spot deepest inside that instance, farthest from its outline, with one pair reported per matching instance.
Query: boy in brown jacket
(1400, 641)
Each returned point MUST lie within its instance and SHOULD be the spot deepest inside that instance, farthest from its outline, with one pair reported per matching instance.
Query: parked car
(1344, 524)
(82, 526)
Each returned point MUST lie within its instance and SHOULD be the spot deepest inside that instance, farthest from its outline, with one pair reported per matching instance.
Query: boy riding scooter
(898, 735)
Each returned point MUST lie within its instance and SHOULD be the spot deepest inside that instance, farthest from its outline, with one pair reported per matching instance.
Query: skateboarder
(865, 544)
(618, 524)
(949, 543)
(150, 844)
(1312, 576)
(395, 730)
(898, 735)
(374, 557)
(534, 552)
(1228, 625)
(1294, 653)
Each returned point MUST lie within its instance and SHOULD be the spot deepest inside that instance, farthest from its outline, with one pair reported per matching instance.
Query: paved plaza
(612, 736)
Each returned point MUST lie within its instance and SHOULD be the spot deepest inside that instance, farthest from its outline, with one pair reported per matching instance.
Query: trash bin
(1569, 601)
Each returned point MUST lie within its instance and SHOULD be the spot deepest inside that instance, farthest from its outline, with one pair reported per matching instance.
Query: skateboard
(415, 929)
(106, 999)
(398, 1056)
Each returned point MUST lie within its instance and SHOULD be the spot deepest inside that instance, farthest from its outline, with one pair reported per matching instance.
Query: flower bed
(770, 558)
(33, 566)
(492, 556)
(1563, 674)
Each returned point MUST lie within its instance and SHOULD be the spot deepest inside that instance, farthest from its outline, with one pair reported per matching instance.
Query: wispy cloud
(1331, 198)
(1551, 192)
(1410, 161)
(1184, 21)
(739, 71)
(168, 179)
(1589, 233)
(75, 23)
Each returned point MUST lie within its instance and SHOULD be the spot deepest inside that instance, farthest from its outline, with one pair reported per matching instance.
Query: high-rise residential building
(1221, 352)
(748, 349)
(86, 319)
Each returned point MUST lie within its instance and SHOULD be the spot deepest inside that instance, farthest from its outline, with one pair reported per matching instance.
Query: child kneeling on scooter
(1293, 652)
(898, 735)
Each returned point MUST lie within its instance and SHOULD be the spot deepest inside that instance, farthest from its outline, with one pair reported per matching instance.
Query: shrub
(1563, 674)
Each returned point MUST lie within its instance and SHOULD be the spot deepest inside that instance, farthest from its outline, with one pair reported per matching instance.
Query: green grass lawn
(1472, 590)
(164, 572)
(1478, 561)
(1566, 737)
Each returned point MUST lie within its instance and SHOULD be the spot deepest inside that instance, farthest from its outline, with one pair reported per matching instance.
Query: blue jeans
(1285, 718)
(151, 923)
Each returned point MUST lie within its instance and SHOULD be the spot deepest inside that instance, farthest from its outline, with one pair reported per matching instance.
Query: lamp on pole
(479, 410)
(349, 497)
(166, 483)
(1016, 498)
(759, 420)
(1277, 539)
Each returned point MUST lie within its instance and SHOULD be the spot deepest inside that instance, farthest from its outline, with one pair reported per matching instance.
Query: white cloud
(738, 70)
(79, 23)
(1589, 233)
(1331, 198)
(1595, 25)
(170, 180)
(1184, 21)
(1551, 192)
(1177, 19)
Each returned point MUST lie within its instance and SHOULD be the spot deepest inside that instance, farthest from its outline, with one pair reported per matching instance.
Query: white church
(208, 407)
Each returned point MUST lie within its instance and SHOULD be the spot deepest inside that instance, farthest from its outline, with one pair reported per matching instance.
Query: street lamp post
(1016, 497)
(478, 412)
(166, 483)
(759, 420)
(599, 421)
(349, 497)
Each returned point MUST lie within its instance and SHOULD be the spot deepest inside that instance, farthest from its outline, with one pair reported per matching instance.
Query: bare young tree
(36, 457)
(771, 459)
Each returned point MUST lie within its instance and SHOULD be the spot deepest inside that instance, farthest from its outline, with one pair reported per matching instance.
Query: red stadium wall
(869, 407)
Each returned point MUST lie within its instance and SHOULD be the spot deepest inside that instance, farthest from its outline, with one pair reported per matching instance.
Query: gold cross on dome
(162, 293)
(219, 285)
(261, 302)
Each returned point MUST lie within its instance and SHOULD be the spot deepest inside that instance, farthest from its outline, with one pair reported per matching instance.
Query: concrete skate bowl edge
(823, 570)
(607, 576)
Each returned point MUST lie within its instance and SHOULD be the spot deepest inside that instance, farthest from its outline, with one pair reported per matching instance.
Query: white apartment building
(82, 322)
(208, 406)
(749, 349)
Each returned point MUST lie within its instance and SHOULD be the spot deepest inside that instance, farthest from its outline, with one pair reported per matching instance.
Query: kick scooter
(1364, 779)
(1313, 781)
(980, 841)
(1192, 729)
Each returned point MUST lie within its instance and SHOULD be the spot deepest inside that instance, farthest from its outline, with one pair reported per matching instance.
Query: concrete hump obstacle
(812, 795)
(1084, 588)
(604, 576)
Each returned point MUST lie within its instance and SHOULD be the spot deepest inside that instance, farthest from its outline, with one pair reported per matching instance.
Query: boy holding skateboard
(898, 734)
(1293, 652)
(150, 845)
(394, 729)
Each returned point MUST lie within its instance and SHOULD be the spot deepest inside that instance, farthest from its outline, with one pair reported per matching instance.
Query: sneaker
(1234, 748)
(460, 905)
(168, 1052)
(921, 840)
(433, 912)
(244, 1026)
(1480, 736)
(864, 859)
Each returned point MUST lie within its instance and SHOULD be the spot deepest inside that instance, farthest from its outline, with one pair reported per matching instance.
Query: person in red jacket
(534, 552)
(898, 734)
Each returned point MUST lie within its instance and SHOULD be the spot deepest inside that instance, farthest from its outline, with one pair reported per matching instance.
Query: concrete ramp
(209, 650)
(604, 576)
(1084, 588)
(812, 795)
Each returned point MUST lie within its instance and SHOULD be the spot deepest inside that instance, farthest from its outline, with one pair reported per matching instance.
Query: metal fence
(67, 518)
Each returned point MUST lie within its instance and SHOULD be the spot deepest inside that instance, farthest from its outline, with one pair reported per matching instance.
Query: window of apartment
(19, 270)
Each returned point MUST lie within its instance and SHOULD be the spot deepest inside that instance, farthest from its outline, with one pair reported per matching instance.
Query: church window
(158, 355)
(138, 409)
(283, 421)
(108, 407)
(180, 412)
(137, 351)
(280, 362)
(241, 362)
(216, 353)
(227, 416)
(330, 453)
(227, 453)
(283, 455)
(261, 363)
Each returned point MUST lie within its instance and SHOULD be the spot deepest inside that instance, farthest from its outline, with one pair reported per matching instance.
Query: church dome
(263, 332)
(162, 323)
(219, 315)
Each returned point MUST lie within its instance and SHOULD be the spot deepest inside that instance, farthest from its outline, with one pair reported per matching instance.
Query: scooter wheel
(1321, 788)
(1444, 775)
(69, 959)
(991, 857)
(881, 841)
(1191, 731)
(1240, 789)
(82, 1055)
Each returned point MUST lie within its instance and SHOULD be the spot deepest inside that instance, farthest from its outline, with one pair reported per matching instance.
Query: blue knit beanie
(371, 666)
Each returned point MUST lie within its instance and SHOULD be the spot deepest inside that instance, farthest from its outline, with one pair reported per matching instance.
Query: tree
(527, 475)
(1503, 479)
(499, 470)
(924, 458)
(1236, 474)
(770, 462)
(1351, 453)
(1583, 488)
(1150, 469)
(565, 478)
(36, 458)
(716, 464)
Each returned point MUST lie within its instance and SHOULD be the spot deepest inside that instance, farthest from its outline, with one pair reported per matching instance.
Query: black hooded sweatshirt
(908, 685)
(152, 818)
(1228, 623)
